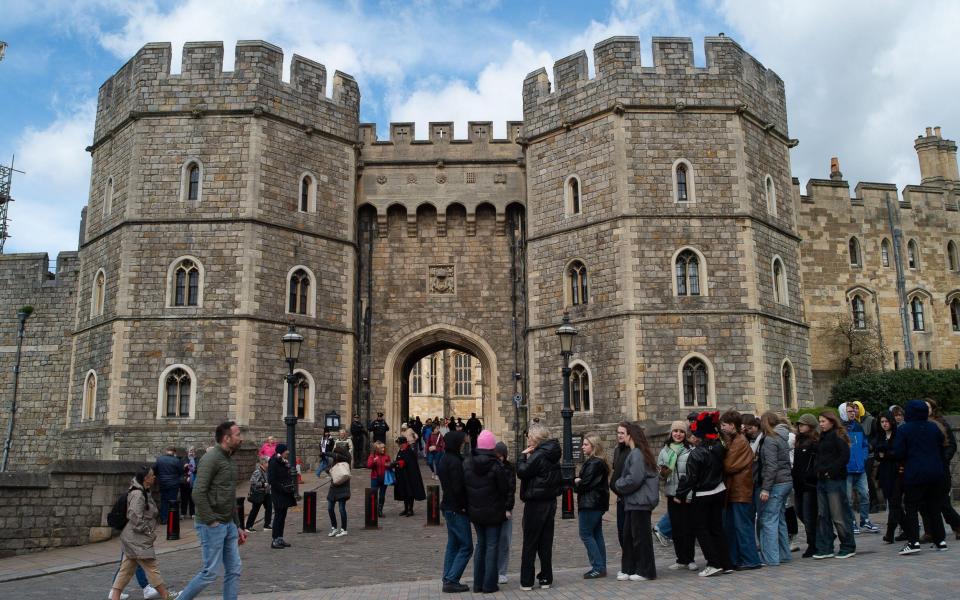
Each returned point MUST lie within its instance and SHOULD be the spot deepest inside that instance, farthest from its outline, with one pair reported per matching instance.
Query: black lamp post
(331, 421)
(22, 315)
(291, 351)
(566, 332)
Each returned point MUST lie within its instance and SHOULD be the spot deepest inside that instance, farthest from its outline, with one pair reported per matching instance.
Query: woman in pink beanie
(487, 490)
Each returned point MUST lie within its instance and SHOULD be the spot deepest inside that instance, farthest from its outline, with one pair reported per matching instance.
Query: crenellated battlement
(731, 78)
(442, 132)
(145, 86)
(441, 143)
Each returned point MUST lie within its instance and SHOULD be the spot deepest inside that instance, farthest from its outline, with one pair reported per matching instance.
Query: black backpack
(117, 517)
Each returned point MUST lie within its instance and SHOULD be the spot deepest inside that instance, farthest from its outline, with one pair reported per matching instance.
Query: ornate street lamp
(291, 352)
(22, 315)
(566, 332)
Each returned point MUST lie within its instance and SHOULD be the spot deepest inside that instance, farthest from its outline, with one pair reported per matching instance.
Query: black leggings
(343, 513)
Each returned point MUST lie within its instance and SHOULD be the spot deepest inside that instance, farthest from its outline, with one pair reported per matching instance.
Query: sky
(863, 78)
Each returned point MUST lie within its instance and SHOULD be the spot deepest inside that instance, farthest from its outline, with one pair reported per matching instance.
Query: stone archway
(427, 340)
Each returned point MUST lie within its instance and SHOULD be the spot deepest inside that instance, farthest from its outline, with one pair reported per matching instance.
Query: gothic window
(89, 397)
(432, 374)
(108, 197)
(687, 267)
(416, 379)
(916, 312)
(186, 285)
(779, 282)
(299, 292)
(953, 262)
(786, 381)
(854, 248)
(695, 382)
(913, 256)
(770, 193)
(682, 183)
(885, 252)
(859, 313)
(462, 375)
(580, 388)
(955, 314)
(307, 194)
(99, 294)
(577, 283)
(572, 195)
(177, 388)
(301, 394)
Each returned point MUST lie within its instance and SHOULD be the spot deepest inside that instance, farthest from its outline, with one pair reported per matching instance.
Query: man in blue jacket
(856, 470)
(169, 471)
(919, 445)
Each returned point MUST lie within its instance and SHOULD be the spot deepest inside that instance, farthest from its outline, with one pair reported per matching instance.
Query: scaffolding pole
(6, 178)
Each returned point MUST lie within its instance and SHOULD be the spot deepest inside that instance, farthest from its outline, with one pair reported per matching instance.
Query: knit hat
(500, 449)
(281, 448)
(681, 425)
(809, 420)
(705, 427)
(692, 416)
(486, 440)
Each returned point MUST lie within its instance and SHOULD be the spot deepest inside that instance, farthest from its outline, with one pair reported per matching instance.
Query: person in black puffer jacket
(804, 474)
(919, 444)
(281, 492)
(454, 507)
(593, 499)
(487, 490)
(889, 473)
(540, 481)
(833, 454)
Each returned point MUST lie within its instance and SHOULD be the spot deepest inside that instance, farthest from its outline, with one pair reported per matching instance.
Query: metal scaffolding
(6, 178)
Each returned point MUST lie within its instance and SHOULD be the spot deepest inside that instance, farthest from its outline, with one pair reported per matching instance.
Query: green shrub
(878, 391)
(815, 411)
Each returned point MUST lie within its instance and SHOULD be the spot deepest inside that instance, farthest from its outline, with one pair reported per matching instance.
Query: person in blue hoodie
(856, 469)
(918, 444)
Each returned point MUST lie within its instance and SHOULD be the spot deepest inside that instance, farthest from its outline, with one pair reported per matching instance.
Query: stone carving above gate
(441, 280)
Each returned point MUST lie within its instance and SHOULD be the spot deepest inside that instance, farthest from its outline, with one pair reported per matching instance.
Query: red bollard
(567, 506)
(309, 512)
(371, 517)
(433, 505)
(173, 524)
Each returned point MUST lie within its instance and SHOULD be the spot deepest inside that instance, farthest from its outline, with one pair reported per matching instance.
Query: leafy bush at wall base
(878, 391)
(793, 415)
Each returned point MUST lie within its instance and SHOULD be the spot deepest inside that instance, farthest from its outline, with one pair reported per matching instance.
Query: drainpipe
(897, 233)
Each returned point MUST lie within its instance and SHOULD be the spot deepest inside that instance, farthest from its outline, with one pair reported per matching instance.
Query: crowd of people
(736, 485)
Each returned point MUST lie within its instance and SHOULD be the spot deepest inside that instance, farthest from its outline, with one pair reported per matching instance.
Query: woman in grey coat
(138, 535)
(639, 486)
(776, 483)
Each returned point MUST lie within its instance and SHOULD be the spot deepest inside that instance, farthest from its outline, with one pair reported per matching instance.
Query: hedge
(878, 391)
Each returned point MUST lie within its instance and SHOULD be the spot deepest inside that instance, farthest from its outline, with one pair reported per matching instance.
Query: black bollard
(567, 503)
(240, 501)
(371, 518)
(173, 524)
(433, 505)
(309, 512)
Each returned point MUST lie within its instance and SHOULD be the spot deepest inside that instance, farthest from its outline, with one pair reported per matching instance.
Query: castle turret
(937, 156)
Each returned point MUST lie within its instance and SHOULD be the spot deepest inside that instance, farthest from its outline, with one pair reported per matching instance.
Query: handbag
(340, 473)
(389, 477)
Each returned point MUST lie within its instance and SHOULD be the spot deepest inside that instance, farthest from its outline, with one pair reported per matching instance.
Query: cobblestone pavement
(402, 560)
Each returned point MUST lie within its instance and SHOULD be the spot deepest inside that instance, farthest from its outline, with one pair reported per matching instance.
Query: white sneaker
(122, 595)
(637, 578)
(692, 567)
(677, 566)
(709, 571)
(502, 579)
(341, 533)
(150, 593)
(333, 532)
(621, 576)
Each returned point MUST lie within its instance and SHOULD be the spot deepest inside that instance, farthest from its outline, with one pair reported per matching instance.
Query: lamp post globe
(292, 341)
(567, 332)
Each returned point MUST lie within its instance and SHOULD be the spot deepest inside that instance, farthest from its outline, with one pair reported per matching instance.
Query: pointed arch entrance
(426, 341)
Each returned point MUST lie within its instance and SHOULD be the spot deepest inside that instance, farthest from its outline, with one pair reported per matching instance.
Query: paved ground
(402, 560)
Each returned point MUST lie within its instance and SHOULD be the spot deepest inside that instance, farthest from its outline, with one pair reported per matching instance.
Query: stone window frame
(568, 200)
(913, 255)
(953, 307)
(589, 373)
(855, 252)
(311, 192)
(108, 197)
(770, 194)
(416, 379)
(309, 414)
(781, 287)
(953, 257)
(926, 317)
(98, 294)
(162, 393)
(868, 297)
(691, 182)
(459, 383)
(172, 283)
(711, 382)
(185, 179)
(885, 252)
(792, 405)
(311, 297)
(702, 273)
(88, 406)
(583, 279)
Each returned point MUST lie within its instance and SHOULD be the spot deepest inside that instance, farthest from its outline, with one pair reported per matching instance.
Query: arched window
(577, 283)
(193, 189)
(682, 183)
(955, 314)
(571, 194)
(857, 307)
(177, 387)
(770, 192)
(99, 294)
(787, 382)
(913, 256)
(916, 312)
(301, 395)
(89, 405)
(780, 291)
(299, 292)
(186, 284)
(854, 248)
(108, 197)
(191, 181)
(687, 267)
(885, 252)
(305, 187)
(953, 262)
(462, 375)
(580, 388)
(695, 380)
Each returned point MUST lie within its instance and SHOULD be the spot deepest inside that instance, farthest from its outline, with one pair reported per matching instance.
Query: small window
(695, 383)
(682, 183)
(913, 256)
(885, 253)
(191, 181)
(99, 294)
(770, 192)
(955, 314)
(687, 267)
(308, 194)
(186, 284)
(779, 283)
(177, 387)
(577, 283)
(896, 360)
(108, 198)
(916, 311)
(432, 375)
(856, 260)
(193, 189)
(859, 312)
(463, 375)
(953, 262)
(416, 379)
(786, 381)
(580, 388)
(301, 393)
(89, 397)
(572, 195)
(299, 292)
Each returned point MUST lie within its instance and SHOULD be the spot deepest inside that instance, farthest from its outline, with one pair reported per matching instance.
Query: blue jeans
(858, 481)
(485, 558)
(168, 500)
(218, 546)
(324, 462)
(343, 513)
(503, 546)
(591, 534)
(833, 513)
(381, 488)
(742, 544)
(459, 546)
(774, 540)
(141, 576)
(664, 526)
